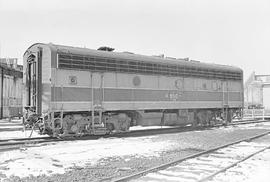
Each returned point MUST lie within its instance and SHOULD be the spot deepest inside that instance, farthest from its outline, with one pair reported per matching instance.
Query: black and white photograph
(134, 90)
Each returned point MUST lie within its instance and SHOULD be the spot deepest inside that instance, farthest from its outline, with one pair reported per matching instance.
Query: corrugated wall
(10, 92)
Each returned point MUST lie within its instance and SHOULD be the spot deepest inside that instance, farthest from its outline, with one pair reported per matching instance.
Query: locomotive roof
(135, 57)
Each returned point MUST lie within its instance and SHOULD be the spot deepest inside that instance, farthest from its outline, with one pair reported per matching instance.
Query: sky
(229, 32)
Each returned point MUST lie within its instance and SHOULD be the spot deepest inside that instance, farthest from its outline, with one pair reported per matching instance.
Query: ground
(93, 160)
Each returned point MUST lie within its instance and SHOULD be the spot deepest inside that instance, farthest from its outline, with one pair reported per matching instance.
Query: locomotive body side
(93, 92)
(117, 91)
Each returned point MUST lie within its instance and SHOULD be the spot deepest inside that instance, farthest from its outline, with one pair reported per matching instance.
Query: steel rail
(36, 140)
(178, 128)
(232, 165)
(166, 165)
(23, 139)
(13, 145)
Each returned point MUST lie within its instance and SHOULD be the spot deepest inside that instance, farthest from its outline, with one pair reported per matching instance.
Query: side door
(33, 82)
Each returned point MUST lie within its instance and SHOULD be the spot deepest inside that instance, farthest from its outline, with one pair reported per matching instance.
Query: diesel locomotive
(70, 91)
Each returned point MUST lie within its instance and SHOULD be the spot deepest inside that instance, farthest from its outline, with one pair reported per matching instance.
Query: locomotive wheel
(110, 127)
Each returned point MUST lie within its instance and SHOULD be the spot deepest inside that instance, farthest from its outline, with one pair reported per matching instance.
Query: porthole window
(179, 84)
(136, 81)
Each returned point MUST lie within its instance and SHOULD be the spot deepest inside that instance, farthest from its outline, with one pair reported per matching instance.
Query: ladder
(97, 107)
(225, 101)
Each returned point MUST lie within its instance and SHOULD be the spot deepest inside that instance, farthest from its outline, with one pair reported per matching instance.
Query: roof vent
(159, 56)
(170, 58)
(104, 48)
(186, 59)
(194, 61)
(128, 52)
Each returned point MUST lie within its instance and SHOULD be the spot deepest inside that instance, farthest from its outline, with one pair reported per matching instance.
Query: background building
(257, 91)
(10, 88)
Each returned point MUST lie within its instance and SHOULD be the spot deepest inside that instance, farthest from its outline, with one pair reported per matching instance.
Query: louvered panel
(102, 64)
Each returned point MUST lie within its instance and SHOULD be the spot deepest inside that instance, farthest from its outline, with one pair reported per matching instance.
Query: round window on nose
(136, 81)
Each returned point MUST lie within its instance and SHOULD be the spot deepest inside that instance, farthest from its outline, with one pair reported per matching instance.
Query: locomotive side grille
(102, 64)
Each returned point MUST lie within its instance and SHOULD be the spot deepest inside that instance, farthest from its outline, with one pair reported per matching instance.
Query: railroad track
(146, 132)
(202, 166)
(11, 144)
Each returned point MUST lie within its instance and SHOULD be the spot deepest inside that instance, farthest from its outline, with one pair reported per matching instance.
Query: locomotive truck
(71, 91)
